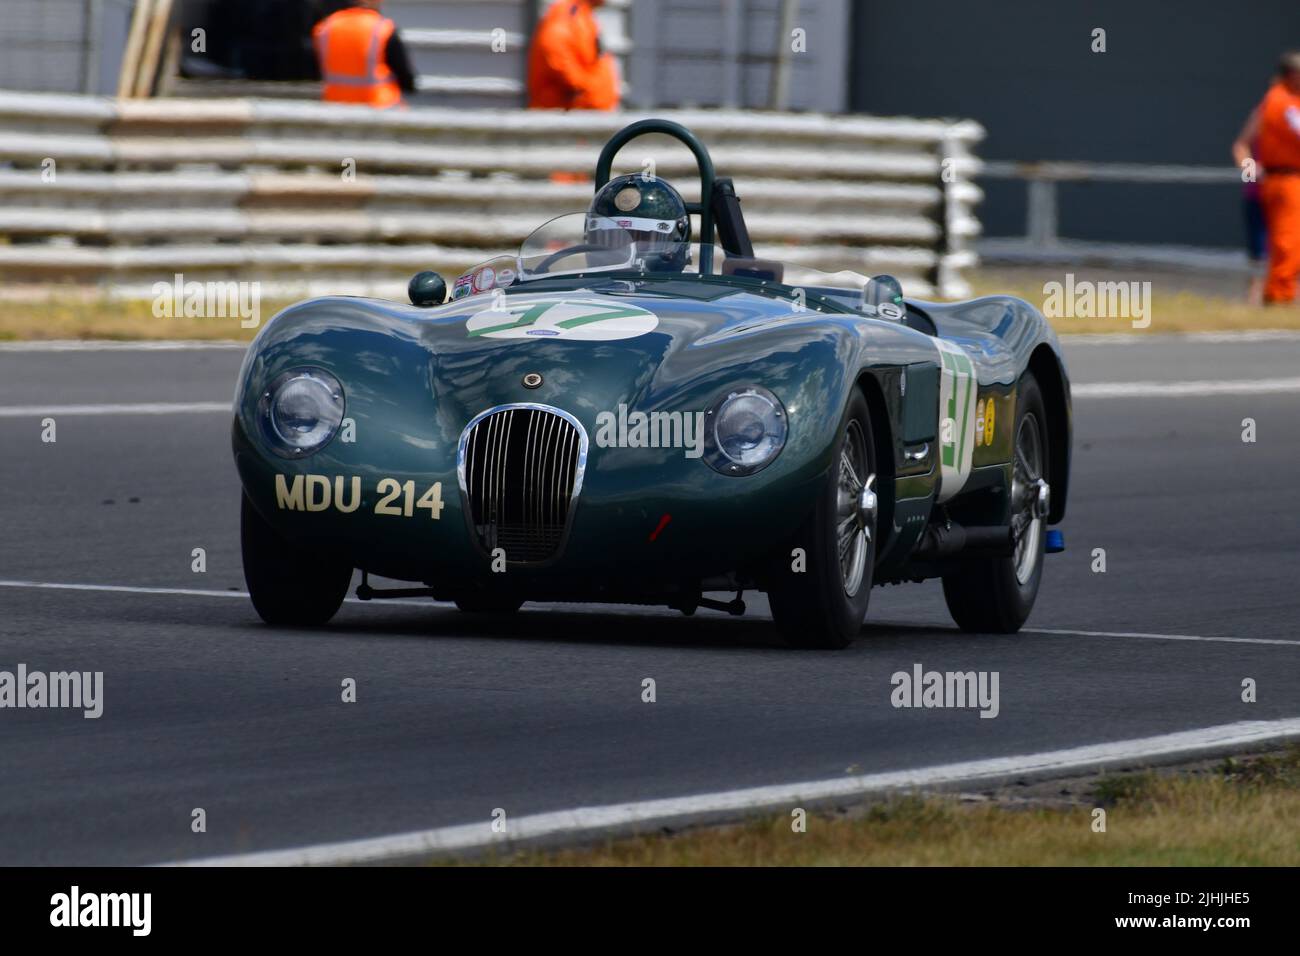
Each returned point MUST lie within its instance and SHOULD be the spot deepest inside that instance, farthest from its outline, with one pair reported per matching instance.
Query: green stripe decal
(528, 318)
(576, 321)
(965, 405)
(949, 448)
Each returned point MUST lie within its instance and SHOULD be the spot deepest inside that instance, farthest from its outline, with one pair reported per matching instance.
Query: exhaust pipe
(945, 541)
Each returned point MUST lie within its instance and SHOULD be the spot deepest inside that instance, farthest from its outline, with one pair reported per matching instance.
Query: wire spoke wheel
(1026, 524)
(819, 599)
(995, 594)
(855, 510)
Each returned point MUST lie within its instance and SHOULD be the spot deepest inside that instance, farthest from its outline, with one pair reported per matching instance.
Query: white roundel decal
(592, 320)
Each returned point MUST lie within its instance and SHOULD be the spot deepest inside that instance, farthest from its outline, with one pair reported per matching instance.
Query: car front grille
(520, 469)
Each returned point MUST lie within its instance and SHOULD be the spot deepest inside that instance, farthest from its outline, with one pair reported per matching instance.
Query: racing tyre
(995, 596)
(824, 605)
(291, 585)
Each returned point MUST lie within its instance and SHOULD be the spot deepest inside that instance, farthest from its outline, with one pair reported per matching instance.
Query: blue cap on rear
(1055, 541)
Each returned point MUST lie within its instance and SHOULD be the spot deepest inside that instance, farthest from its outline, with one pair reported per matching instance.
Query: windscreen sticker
(591, 320)
(958, 393)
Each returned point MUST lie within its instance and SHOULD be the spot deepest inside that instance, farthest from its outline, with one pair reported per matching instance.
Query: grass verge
(69, 317)
(1170, 309)
(1241, 811)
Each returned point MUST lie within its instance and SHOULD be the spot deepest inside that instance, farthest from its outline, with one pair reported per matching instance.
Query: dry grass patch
(1171, 310)
(72, 317)
(1241, 812)
(66, 316)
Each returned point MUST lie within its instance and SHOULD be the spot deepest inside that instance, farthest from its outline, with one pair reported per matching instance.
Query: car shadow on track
(637, 627)
(542, 623)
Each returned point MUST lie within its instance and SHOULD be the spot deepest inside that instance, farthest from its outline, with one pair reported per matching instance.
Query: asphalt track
(207, 708)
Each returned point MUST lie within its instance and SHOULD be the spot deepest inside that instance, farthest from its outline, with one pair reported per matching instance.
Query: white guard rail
(117, 196)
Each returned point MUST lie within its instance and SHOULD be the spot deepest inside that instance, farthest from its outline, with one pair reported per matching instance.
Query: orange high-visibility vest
(350, 49)
(566, 68)
(1278, 143)
(1278, 151)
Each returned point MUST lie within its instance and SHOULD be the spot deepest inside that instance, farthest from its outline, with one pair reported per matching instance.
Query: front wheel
(820, 601)
(291, 585)
(995, 596)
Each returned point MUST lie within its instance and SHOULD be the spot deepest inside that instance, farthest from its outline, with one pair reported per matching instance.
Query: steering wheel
(545, 264)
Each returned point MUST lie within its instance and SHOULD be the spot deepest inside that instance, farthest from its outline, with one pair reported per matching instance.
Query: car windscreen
(576, 243)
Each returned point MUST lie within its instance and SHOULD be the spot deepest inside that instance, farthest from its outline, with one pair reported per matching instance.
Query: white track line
(111, 345)
(142, 408)
(184, 592)
(1204, 389)
(569, 608)
(122, 588)
(583, 822)
(1132, 635)
(1160, 637)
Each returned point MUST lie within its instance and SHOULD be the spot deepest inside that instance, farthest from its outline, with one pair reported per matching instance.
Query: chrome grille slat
(528, 449)
(520, 470)
(501, 462)
(548, 477)
(531, 513)
(536, 486)
(548, 473)
(489, 484)
(560, 462)
(538, 472)
(485, 471)
(571, 460)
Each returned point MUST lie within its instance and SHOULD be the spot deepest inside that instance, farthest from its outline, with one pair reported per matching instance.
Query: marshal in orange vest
(350, 48)
(567, 69)
(1278, 151)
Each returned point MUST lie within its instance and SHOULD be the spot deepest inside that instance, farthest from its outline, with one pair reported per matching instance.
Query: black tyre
(995, 595)
(488, 604)
(291, 585)
(823, 605)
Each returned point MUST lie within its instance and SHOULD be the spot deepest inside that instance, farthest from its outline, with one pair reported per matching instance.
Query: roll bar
(703, 163)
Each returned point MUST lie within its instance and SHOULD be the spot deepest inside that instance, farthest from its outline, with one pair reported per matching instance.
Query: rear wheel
(821, 601)
(996, 595)
(291, 585)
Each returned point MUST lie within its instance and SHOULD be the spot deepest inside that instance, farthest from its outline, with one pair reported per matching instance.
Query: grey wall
(674, 52)
(63, 46)
(1174, 86)
(719, 53)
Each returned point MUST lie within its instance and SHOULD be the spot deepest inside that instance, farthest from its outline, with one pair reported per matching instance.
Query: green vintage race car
(621, 413)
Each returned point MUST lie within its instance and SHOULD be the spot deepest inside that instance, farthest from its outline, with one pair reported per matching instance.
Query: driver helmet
(651, 211)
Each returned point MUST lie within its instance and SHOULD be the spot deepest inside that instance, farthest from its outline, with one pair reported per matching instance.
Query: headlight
(301, 411)
(744, 431)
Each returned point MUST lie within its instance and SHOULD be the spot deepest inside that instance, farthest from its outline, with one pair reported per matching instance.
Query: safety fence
(115, 196)
(1042, 241)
